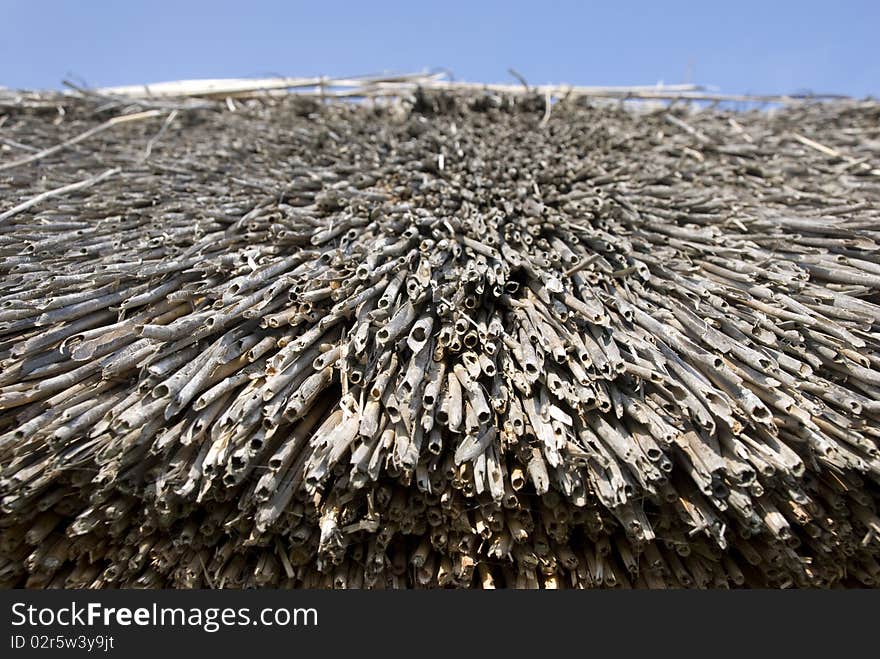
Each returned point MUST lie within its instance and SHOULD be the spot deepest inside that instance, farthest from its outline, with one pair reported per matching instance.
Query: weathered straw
(458, 336)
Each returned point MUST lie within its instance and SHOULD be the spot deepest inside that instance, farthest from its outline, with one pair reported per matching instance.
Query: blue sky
(738, 46)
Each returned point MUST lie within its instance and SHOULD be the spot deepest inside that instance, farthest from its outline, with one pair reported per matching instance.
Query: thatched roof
(441, 336)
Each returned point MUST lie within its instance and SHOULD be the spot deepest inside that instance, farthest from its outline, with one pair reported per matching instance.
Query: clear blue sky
(738, 45)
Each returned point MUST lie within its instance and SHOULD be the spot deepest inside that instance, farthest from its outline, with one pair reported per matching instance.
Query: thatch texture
(453, 338)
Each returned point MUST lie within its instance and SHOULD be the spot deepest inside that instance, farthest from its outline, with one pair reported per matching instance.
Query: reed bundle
(448, 339)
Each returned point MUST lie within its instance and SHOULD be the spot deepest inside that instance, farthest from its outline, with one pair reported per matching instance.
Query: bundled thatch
(456, 337)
